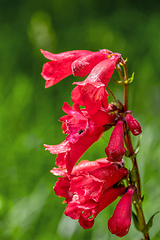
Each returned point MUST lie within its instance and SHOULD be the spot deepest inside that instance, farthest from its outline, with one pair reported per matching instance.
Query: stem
(135, 176)
(111, 93)
(135, 166)
(135, 180)
(125, 97)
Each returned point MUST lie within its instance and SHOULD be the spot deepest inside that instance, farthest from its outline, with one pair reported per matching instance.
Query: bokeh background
(29, 113)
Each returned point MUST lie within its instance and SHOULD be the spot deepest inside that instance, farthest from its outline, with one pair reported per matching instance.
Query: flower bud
(120, 221)
(115, 149)
(133, 125)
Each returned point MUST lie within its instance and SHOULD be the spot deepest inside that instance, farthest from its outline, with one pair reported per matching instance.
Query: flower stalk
(135, 175)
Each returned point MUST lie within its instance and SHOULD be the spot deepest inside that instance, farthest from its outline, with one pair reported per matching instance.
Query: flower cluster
(90, 186)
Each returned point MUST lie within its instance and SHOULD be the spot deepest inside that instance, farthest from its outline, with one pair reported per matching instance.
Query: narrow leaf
(136, 223)
(130, 79)
(138, 144)
(150, 222)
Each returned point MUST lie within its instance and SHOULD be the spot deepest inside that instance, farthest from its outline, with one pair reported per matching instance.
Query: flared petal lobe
(60, 65)
(67, 159)
(120, 222)
(82, 129)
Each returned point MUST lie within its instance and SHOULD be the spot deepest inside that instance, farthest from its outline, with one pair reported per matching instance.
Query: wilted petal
(61, 150)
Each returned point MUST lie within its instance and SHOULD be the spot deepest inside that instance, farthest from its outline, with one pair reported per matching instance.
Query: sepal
(150, 222)
(136, 223)
(129, 80)
(137, 149)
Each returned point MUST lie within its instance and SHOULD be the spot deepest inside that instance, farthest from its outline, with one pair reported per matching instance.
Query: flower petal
(60, 65)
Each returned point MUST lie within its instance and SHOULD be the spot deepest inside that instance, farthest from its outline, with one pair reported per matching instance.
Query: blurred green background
(29, 113)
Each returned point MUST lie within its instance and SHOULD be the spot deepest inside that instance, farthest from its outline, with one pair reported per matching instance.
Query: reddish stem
(137, 199)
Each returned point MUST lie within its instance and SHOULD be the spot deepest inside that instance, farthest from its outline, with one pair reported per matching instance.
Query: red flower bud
(120, 222)
(115, 149)
(133, 125)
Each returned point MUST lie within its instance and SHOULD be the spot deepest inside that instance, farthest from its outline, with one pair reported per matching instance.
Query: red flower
(89, 189)
(83, 65)
(92, 93)
(77, 121)
(83, 130)
(60, 65)
(120, 222)
(69, 153)
(115, 149)
(133, 125)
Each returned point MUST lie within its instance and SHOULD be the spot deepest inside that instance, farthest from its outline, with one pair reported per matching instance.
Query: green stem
(125, 97)
(135, 178)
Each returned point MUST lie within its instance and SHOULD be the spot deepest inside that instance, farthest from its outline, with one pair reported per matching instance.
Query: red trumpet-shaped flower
(89, 189)
(60, 65)
(120, 222)
(83, 65)
(82, 129)
(115, 149)
(133, 125)
(92, 93)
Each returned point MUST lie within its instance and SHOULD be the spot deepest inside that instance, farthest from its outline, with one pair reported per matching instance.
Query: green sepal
(142, 198)
(129, 80)
(127, 154)
(136, 223)
(118, 104)
(137, 149)
(118, 82)
(150, 222)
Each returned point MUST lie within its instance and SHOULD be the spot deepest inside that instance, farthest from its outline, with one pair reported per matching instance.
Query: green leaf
(137, 149)
(150, 222)
(136, 223)
(118, 82)
(129, 80)
(142, 198)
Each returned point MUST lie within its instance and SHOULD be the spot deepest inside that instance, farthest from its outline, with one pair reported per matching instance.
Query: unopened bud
(133, 125)
(115, 149)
